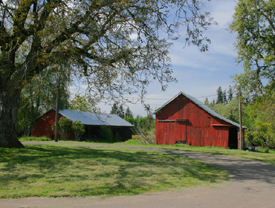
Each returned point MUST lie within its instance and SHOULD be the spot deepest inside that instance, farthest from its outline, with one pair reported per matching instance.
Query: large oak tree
(114, 47)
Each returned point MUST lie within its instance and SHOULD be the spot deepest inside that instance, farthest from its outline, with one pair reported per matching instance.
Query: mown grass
(81, 171)
(133, 141)
(34, 139)
(260, 155)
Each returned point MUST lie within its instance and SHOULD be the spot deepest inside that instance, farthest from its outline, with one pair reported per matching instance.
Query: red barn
(186, 120)
(42, 126)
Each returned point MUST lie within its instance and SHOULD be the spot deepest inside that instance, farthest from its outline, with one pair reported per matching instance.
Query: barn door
(180, 132)
(233, 138)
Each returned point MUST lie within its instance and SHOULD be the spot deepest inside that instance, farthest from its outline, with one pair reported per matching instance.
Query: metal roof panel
(96, 119)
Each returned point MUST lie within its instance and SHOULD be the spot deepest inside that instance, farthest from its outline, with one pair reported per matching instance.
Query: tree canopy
(255, 26)
(38, 96)
(82, 103)
(114, 47)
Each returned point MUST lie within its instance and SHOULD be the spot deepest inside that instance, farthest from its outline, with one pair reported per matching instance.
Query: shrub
(129, 119)
(106, 133)
(78, 128)
(65, 128)
(145, 137)
(117, 138)
(34, 139)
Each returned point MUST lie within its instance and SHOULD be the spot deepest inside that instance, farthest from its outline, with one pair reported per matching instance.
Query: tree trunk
(9, 104)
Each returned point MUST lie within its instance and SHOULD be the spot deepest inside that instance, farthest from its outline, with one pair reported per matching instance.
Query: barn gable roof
(200, 104)
(95, 119)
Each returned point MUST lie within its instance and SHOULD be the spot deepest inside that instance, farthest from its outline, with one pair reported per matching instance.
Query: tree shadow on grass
(129, 172)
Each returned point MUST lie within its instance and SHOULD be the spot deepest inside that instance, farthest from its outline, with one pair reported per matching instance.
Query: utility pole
(240, 120)
(57, 112)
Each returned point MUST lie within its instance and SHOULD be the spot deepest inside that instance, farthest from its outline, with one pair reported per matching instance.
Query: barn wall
(198, 130)
(43, 125)
(92, 132)
(124, 133)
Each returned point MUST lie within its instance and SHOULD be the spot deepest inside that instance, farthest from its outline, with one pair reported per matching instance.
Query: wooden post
(89, 135)
(240, 120)
(57, 113)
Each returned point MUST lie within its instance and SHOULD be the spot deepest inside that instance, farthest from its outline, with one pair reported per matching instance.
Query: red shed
(42, 126)
(186, 120)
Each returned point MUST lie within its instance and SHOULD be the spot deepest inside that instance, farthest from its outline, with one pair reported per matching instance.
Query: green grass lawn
(261, 155)
(80, 171)
(22, 139)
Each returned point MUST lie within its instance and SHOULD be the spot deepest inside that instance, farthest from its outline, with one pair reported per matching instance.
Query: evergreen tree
(225, 97)
(206, 102)
(230, 93)
(118, 110)
(219, 95)
(128, 113)
(213, 103)
(114, 109)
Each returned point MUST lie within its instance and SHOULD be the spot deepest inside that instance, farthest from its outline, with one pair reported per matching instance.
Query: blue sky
(199, 74)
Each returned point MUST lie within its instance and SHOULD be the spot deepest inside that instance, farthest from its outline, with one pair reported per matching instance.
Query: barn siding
(43, 125)
(198, 130)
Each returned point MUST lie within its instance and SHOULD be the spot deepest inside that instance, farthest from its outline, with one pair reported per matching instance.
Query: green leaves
(79, 129)
(114, 48)
(262, 125)
(114, 44)
(65, 128)
(255, 26)
(82, 103)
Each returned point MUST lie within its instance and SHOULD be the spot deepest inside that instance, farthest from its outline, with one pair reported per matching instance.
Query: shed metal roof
(95, 119)
(203, 106)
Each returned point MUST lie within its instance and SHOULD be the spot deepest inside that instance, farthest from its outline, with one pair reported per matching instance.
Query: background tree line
(254, 24)
(40, 95)
(145, 124)
(257, 114)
